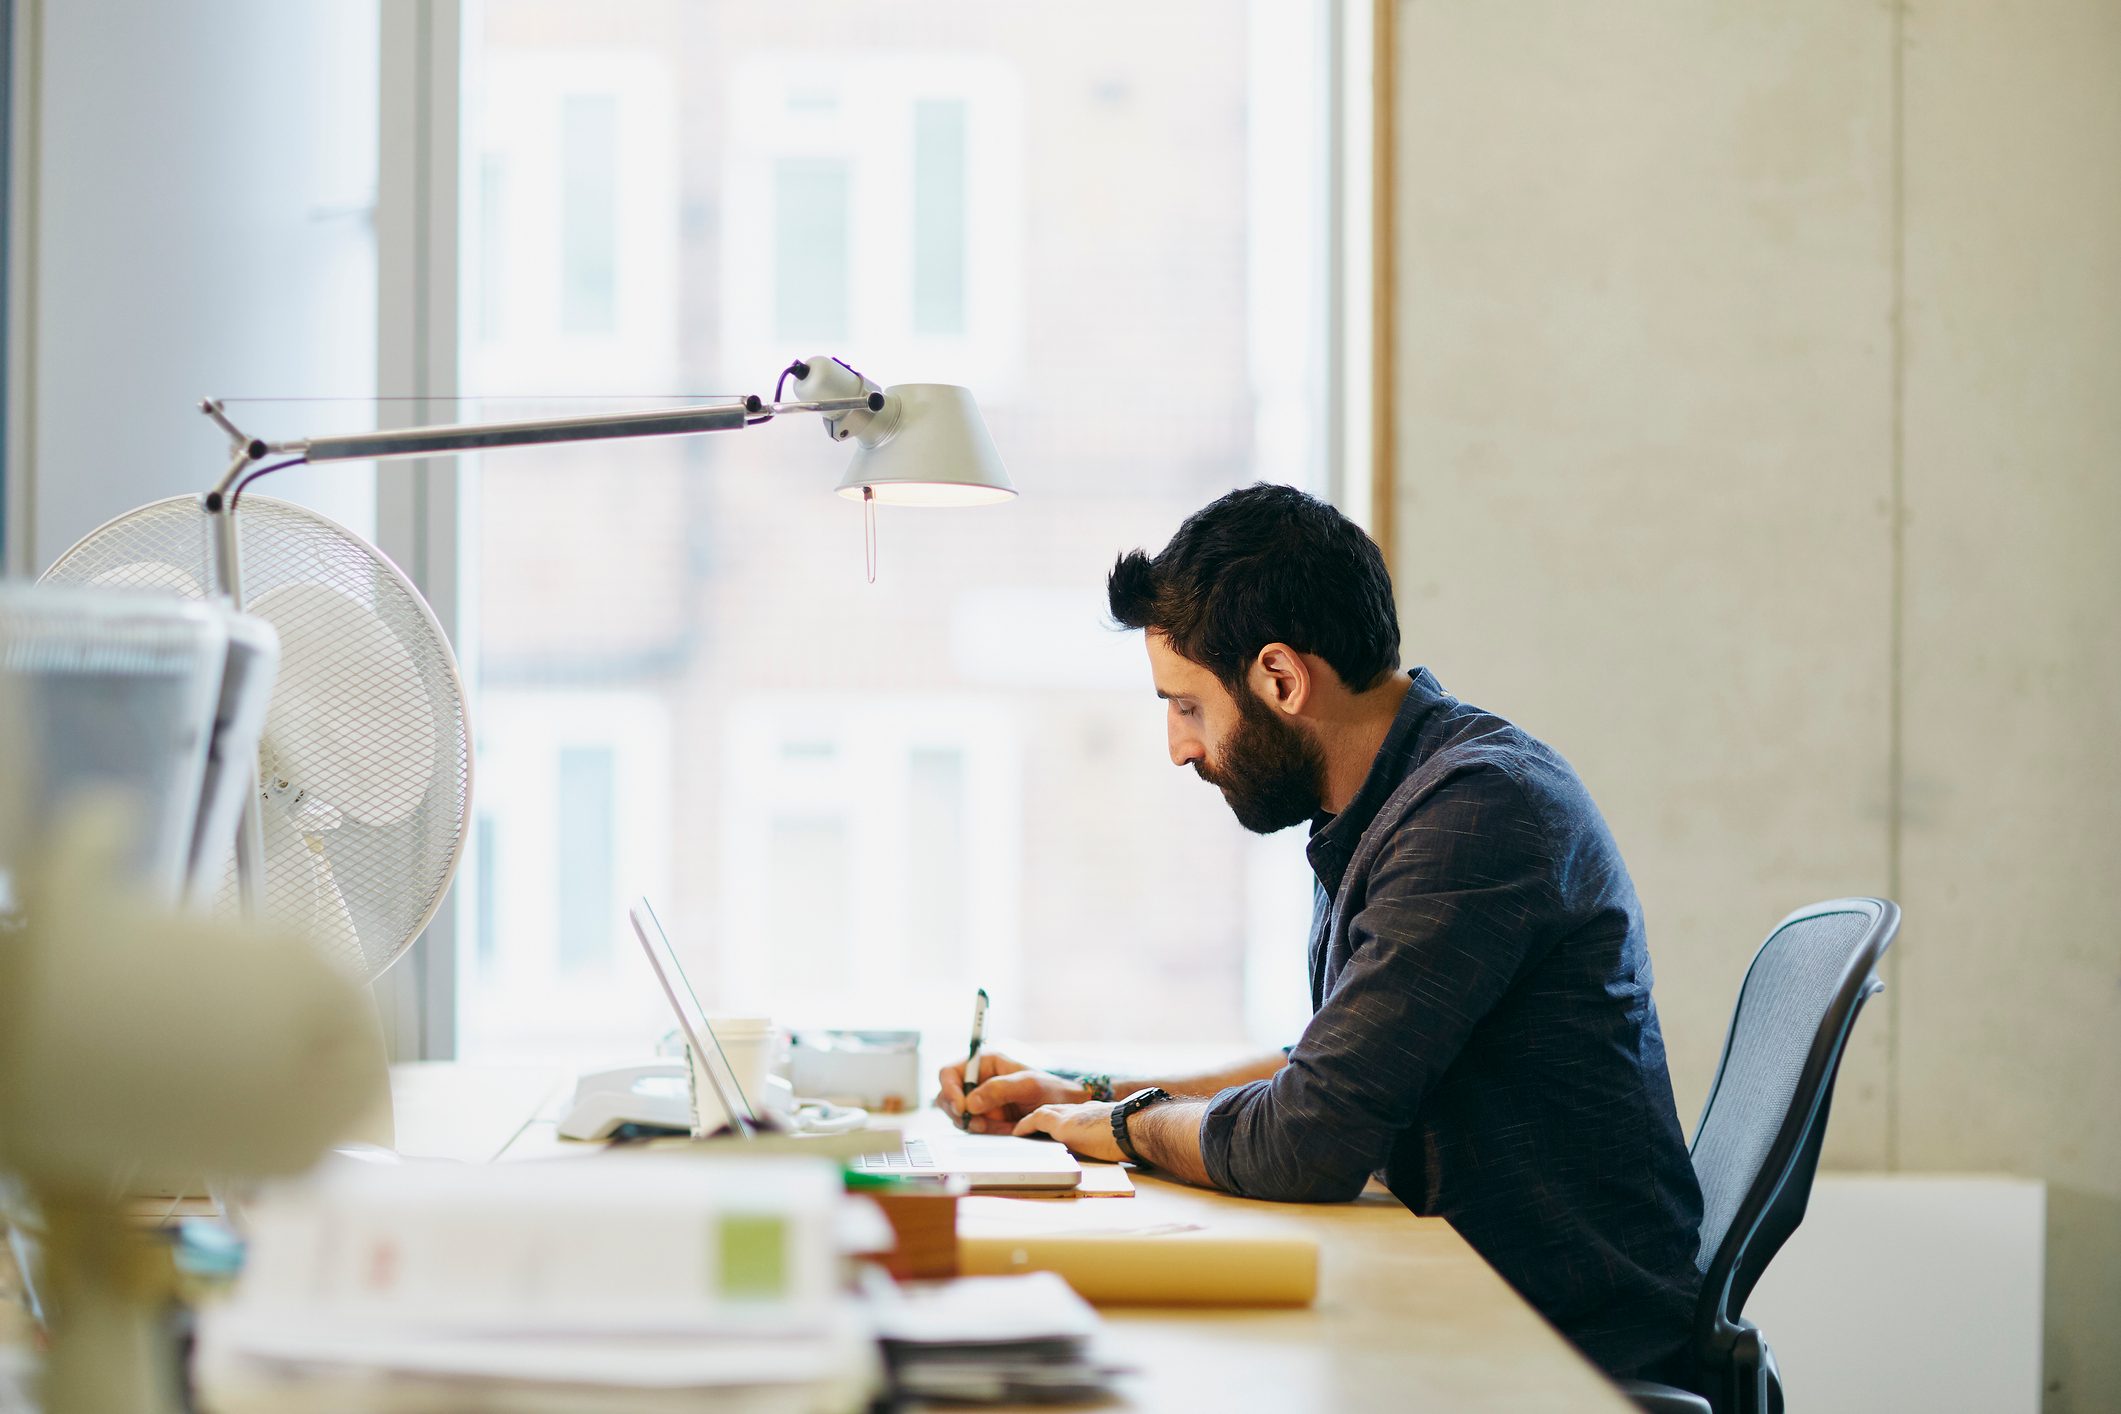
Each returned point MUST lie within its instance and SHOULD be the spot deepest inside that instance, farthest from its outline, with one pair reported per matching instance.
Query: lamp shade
(934, 452)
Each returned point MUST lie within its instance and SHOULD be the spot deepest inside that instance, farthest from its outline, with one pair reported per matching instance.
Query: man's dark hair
(1262, 565)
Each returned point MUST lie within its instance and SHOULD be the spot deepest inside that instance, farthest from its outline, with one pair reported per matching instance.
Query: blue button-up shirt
(1483, 1037)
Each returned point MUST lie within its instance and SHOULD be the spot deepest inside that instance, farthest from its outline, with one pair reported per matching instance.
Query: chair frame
(1736, 1369)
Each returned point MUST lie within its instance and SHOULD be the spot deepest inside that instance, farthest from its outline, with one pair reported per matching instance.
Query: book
(1140, 1264)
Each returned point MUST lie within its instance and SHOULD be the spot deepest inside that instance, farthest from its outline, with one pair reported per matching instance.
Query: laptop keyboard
(912, 1158)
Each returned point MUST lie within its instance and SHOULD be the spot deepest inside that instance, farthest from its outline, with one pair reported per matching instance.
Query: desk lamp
(916, 444)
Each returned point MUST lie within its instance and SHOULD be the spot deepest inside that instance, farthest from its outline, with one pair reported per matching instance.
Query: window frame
(18, 307)
(420, 504)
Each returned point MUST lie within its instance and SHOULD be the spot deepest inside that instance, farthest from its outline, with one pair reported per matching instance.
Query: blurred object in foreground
(135, 1041)
(638, 1281)
(149, 703)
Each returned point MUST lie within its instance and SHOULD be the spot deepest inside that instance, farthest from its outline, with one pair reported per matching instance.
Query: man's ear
(1281, 678)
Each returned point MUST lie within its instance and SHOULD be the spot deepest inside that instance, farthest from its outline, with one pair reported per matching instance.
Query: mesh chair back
(1758, 1142)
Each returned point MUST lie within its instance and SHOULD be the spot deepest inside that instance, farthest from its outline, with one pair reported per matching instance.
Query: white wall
(1760, 447)
(2010, 1006)
(201, 223)
(1910, 1292)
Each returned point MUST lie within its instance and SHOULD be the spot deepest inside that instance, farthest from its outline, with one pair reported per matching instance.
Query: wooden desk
(1408, 1316)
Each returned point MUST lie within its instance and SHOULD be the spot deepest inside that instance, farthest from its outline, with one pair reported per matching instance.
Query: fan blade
(159, 576)
(352, 720)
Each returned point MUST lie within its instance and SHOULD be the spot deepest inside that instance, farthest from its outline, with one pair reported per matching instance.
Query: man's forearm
(1207, 1084)
(1168, 1136)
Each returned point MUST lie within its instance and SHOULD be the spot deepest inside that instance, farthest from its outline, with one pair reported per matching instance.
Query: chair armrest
(1654, 1398)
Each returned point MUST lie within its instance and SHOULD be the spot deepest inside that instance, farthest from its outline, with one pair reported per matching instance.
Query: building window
(883, 201)
(939, 216)
(938, 853)
(811, 272)
(569, 247)
(575, 813)
(809, 924)
(588, 236)
(493, 249)
(588, 896)
(483, 846)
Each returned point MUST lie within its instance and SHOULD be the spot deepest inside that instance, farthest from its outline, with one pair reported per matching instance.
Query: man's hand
(1008, 1090)
(1086, 1129)
(1166, 1135)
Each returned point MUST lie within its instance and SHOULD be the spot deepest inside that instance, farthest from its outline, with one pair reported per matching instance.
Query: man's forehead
(1174, 674)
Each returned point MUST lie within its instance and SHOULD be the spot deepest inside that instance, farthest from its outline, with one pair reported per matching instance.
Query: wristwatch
(1139, 1100)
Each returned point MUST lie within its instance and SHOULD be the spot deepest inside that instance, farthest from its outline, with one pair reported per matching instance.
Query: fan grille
(366, 763)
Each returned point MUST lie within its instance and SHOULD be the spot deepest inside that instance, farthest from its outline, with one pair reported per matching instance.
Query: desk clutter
(666, 1279)
(621, 1283)
(988, 1340)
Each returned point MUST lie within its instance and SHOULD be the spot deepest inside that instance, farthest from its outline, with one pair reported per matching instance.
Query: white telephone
(657, 1096)
(652, 1095)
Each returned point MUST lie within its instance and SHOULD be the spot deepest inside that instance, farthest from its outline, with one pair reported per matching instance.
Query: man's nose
(1186, 749)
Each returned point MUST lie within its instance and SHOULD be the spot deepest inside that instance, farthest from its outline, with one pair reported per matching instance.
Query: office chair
(1757, 1145)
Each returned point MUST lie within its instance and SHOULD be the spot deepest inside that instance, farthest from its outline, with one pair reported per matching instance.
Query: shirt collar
(1334, 837)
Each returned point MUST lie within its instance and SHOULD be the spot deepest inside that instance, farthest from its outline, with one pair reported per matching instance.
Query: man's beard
(1272, 775)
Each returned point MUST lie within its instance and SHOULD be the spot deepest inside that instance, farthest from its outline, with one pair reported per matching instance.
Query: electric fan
(364, 766)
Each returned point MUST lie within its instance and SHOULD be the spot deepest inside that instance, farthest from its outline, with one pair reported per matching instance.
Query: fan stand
(228, 576)
(379, 1126)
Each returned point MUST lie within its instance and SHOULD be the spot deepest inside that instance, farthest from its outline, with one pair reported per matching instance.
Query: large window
(855, 802)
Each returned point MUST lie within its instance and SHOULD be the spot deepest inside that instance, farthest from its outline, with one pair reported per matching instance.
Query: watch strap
(1123, 1111)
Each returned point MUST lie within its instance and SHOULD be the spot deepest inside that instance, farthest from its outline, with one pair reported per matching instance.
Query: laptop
(982, 1160)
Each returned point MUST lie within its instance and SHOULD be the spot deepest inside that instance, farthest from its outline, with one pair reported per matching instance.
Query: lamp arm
(454, 438)
(854, 408)
(478, 437)
(246, 451)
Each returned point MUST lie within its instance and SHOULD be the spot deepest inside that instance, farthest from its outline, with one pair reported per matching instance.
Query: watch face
(1140, 1098)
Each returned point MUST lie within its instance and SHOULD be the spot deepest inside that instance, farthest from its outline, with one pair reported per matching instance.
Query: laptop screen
(692, 1017)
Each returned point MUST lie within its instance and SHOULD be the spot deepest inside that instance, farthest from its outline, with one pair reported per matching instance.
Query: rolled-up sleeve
(1449, 914)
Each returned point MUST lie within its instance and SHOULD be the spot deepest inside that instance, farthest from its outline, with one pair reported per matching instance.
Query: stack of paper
(288, 1372)
(639, 1282)
(991, 1340)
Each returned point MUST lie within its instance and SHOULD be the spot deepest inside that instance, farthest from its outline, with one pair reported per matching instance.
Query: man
(1482, 1036)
